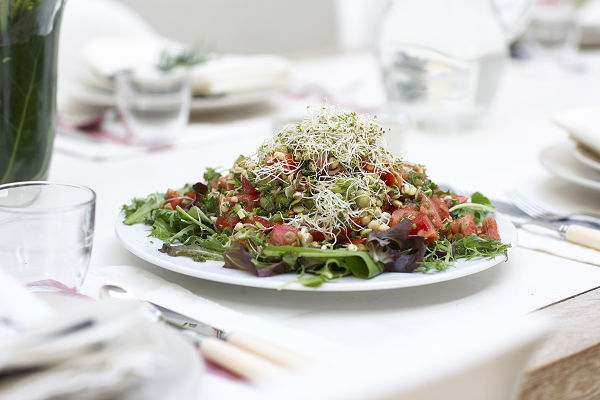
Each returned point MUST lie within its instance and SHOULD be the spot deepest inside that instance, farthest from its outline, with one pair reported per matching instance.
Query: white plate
(104, 98)
(560, 160)
(586, 157)
(135, 239)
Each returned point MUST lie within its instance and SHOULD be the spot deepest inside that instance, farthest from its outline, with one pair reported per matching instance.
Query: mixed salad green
(323, 199)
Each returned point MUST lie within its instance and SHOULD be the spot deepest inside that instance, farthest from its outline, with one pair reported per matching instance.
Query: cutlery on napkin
(151, 288)
(87, 349)
(265, 350)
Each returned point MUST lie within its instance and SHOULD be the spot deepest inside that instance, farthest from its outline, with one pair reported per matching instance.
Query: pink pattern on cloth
(215, 369)
(57, 287)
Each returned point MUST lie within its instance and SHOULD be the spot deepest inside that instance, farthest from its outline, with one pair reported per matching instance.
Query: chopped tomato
(280, 233)
(221, 223)
(422, 226)
(174, 198)
(287, 164)
(191, 195)
(250, 201)
(442, 208)
(253, 219)
(391, 178)
(358, 241)
(464, 226)
(431, 209)
(231, 220)
(317, 236)
(247, 187)
(490, 228)
(404, 212)
(223, 182)
(461, 199)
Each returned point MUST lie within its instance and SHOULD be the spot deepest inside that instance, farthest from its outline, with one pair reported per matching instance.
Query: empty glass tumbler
(46, 233)
(153, 104)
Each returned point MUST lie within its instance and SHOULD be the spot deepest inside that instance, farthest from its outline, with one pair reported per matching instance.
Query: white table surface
(499, 156)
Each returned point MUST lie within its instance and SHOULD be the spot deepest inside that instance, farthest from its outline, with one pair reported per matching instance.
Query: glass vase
(29, 32)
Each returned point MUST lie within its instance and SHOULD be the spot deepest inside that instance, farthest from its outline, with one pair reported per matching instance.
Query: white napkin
(84, 349)
(542, 239)
(222, 75)
(583, 125)
(108, 142)
(155, 289)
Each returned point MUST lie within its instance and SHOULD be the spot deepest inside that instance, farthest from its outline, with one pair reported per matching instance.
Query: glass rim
(60, 208)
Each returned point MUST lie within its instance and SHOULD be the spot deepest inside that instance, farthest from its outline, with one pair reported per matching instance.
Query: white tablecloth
(501, 155)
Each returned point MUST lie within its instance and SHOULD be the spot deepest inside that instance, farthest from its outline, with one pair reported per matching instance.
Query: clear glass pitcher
(442, 60)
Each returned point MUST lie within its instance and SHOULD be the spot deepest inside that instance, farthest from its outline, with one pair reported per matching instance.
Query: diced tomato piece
(391, 178)
(213, 184)
(174, 198)
(278, 235)
(461, 199)
(253, 219)
(422, 226)
(221, 223)
(404, 212)
(442, 208)
(251, 201)
(247, 187)
(288, 164)
(191, 195)
(490, 228)
(430, 208)
(358, 241)
(223, 182)
(317, 236)
(231, 220)
(465, 226)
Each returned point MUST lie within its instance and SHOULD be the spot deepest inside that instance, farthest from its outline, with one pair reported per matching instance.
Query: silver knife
(271, 352)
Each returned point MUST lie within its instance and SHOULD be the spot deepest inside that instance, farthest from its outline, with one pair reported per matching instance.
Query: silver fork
(538, 212)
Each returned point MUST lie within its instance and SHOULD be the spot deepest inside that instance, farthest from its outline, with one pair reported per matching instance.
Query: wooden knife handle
(584, 236)
(239, 361)
(268, 351)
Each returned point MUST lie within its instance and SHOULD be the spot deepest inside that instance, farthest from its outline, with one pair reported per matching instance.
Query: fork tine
(538, 209)
(529, 207)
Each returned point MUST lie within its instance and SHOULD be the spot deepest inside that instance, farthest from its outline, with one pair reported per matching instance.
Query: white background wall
(289, 27)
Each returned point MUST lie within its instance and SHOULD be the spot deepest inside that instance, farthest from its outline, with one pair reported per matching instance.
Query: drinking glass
(46, 233)
(154, 104)
(554, 32)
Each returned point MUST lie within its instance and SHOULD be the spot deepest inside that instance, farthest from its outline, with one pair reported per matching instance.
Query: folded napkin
(543, 239)
(221, 75)
(109, 139)
(85, 349)
(583, 125)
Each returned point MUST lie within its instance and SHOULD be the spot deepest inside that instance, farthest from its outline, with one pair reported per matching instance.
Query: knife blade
(271, 352)
(182, 321)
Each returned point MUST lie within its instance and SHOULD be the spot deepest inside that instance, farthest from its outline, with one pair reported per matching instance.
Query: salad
(323, 199)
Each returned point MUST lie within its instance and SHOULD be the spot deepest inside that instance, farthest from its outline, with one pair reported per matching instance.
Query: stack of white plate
(578, 159)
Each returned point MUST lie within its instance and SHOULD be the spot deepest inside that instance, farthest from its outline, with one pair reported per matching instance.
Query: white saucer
(587, 157)
(560, 160)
